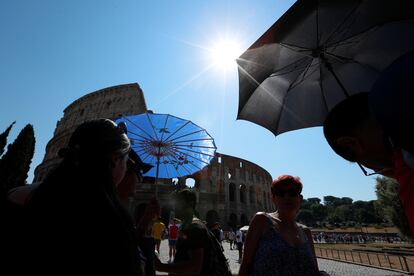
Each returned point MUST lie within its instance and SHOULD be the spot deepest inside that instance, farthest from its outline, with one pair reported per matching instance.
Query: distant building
(230, 190)
(105, 103)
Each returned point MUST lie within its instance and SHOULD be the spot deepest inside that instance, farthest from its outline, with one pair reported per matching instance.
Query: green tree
(314, 200)
(389, 204)
(306, 217)
(365, 212)
(346, 201)
(15, 163)
(331, 201)
(319, 211)
(3, 137)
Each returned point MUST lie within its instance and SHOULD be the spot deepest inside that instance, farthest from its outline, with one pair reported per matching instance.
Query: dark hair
(343, 120)
(284, 181)
(80, 194)
(187, 197)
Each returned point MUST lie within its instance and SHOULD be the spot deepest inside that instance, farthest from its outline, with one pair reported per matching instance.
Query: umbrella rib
(317, 24)
(292, 47)
(200, 160)
(152, 125)
(306, 71)
(144, 156)
(164, 166)
(322, 91)
(199, 168)
(178, 173)
(341, 58)
(136, 134)
(294, 64)
(303, 78)
(291, 85)
(186, 145)
(193, 140)
(198, 152)
(343, 21)
(139, 128)
(144, 150)
(165, 124)
(285, 97)
(192, 163)
(177, 130)
(176, 157)
(188, 134)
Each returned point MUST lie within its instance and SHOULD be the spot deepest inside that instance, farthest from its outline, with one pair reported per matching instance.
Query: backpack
(218, 264)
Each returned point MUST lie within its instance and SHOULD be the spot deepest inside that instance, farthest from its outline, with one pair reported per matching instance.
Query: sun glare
(224, 54)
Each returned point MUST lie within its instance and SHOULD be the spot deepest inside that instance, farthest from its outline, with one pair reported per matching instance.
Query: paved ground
(332, 268)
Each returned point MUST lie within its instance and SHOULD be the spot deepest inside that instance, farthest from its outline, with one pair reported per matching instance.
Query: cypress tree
(15, 163)
(3, 137)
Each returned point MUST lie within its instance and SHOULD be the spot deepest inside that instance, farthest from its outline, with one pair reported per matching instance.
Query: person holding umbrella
(275, 243)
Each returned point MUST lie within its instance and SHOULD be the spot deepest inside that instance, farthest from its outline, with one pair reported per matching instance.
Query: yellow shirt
(157, 229)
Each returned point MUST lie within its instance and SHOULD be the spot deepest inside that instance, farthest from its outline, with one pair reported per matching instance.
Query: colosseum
(108, 103)
(230, 190)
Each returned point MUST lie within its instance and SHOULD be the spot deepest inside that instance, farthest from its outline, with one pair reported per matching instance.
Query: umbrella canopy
(318, 53)
(174, 146)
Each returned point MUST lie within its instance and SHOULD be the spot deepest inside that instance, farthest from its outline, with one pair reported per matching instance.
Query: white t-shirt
(239, 236)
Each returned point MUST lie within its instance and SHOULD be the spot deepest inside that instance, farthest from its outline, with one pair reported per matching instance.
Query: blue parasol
(176, 147)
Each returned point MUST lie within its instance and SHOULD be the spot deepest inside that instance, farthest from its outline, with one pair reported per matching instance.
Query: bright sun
(224, 54)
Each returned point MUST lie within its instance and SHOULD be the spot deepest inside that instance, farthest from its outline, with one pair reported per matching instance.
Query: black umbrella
(318, 53)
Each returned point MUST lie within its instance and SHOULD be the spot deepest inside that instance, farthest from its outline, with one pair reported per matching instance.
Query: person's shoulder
(302, 226)
(259, 218)
(197, 224)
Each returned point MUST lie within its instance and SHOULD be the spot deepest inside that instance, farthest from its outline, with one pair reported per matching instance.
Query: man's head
(391, 101)
(185, 202)
(355, 135)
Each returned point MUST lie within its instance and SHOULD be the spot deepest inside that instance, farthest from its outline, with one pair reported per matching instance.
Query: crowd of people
(77, 221)
(324, 237)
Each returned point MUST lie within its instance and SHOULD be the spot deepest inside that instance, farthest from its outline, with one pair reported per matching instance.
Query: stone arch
(233, 220)
(242, 193)
(190, 182)
(232, 192)
(244, 220)
(211, 217)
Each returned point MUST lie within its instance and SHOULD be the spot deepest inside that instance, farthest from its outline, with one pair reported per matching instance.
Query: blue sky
(53, 52)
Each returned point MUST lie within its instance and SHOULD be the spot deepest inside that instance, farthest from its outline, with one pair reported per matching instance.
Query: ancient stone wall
(108, 103)
(230, 190)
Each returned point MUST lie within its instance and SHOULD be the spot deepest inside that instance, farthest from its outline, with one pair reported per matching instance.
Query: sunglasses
(290, 192)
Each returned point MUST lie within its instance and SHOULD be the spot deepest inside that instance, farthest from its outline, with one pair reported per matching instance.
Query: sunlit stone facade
(105, 103)
(230, 190)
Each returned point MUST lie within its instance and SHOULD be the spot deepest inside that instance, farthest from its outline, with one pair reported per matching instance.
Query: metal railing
(382, 260)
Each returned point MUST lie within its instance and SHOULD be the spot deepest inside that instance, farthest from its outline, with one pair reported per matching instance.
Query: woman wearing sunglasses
(275, 243)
